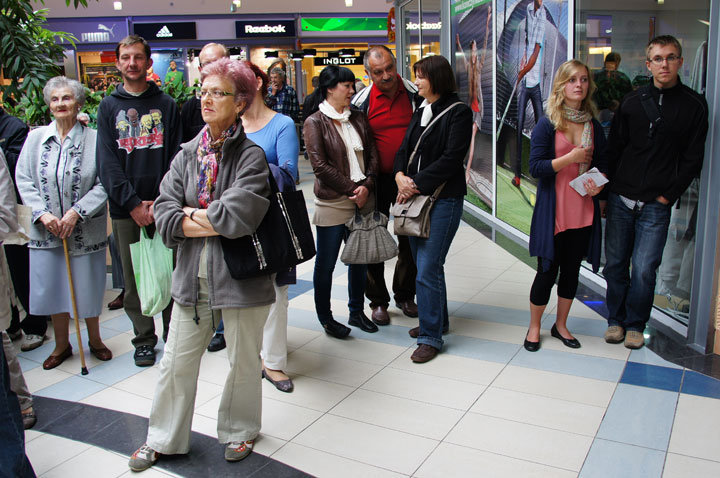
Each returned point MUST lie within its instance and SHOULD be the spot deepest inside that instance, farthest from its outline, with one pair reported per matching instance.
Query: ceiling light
(309, 52)
(272, 54)
(345, 52)
(348, 3)
(117, 5)
(235, 6)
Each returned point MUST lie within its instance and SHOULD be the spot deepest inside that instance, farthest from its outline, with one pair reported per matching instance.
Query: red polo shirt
(389, 118)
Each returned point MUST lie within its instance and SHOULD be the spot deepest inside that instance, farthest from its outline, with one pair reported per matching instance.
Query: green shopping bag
(152, 267)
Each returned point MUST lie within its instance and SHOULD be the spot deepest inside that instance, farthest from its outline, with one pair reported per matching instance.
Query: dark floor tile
(652, 376)
(124, 433)
(698, 384)
(705, 364)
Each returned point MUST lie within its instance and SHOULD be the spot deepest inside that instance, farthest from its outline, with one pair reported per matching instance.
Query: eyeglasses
(658, 60)
(214, 94)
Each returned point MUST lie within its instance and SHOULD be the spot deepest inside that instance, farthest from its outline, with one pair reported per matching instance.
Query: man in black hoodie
(656, 147)
(139, 132)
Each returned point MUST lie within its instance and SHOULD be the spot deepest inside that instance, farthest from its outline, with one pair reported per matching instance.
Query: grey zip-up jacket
(241, 201)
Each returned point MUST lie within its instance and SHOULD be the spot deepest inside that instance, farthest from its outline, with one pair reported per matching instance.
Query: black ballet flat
(531, 346)
(572, 343)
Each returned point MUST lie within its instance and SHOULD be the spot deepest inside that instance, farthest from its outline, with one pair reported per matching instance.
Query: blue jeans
(429, 255)
(329, 239)
(634, 238)
(13, 461)
(535, 96)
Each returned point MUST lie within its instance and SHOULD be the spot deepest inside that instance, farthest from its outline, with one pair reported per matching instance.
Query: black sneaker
(360, 320)
(217, 343)
(144, 356)
(336, 329)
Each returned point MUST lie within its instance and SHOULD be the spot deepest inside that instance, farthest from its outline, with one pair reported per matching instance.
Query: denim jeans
(634, 238)
(535, 96)
(13, 461)
(329, 239)
(429, 255)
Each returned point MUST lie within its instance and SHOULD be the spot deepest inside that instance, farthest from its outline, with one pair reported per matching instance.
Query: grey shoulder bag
(412, 218)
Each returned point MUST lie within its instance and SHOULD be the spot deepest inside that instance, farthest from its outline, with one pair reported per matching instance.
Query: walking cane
(83, 369)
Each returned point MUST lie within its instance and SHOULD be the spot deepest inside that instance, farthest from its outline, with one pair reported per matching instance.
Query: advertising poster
(531, 45)
(98, 76)
(169, 66)
(473, 47)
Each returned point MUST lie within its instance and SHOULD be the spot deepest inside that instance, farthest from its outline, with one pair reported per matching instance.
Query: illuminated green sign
(343, 24)
(461, 6)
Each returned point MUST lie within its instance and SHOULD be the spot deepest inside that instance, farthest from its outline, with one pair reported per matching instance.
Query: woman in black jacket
(440, 148)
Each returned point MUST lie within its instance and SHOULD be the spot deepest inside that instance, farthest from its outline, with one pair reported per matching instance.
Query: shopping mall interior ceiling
(102, 8)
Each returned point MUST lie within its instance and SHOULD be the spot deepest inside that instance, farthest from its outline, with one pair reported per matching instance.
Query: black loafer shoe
(572, 343)
(336, 329)
(531, 346)
(217, 343)
(144, 356)
(360, 320)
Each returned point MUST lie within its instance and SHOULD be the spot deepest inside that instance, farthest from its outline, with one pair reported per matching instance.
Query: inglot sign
(341, 61)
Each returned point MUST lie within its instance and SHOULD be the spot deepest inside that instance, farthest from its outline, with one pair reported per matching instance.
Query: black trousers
(570, 248)
(18, 258)
(405, 271)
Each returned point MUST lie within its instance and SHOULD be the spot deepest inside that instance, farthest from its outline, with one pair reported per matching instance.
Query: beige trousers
(240, 408)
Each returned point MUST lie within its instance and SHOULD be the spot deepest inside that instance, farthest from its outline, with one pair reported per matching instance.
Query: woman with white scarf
(342, 152)
(565, 226)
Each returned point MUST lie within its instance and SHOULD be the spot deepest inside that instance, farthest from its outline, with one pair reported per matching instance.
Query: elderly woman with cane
(57, 178)
(217, 186)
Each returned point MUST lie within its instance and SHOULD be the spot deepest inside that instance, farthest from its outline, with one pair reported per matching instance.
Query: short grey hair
(279, 72)
(78, 90)
(376, 51)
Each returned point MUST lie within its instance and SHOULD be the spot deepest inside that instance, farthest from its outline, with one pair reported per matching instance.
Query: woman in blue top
(275, 133)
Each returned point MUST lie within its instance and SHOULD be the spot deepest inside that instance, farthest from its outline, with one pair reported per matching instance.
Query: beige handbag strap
(412, 155)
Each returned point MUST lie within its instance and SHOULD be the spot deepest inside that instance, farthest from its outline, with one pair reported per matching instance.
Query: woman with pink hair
(217, 186)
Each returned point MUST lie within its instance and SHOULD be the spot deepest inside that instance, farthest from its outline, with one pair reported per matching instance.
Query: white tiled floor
(361, 408)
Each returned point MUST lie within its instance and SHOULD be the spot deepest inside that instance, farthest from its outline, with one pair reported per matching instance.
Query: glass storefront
(506, 81)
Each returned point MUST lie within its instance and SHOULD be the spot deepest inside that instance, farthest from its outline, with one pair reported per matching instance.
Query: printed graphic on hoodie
(139, 132)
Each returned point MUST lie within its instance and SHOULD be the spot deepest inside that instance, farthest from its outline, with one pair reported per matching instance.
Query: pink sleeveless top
(572, 211)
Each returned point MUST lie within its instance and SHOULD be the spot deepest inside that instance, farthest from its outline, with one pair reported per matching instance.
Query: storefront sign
(465, 5)
(343, 24)
(92, 31)
(339, 61)
(166, 31)
(280, 28)
(425, 26)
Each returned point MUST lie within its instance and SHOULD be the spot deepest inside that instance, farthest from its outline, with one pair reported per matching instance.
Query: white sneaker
(32, 342)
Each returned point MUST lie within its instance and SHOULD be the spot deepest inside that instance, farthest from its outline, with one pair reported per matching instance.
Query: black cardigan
(441, 151)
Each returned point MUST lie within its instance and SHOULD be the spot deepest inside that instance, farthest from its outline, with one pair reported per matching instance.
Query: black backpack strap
(651, 111)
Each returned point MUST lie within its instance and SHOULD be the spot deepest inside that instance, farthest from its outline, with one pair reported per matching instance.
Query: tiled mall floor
(361, 408)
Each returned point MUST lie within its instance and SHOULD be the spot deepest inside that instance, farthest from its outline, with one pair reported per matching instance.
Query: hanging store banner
(343, 24)
(91, 31)
(339, 61)
(166, 31)
(265, 29)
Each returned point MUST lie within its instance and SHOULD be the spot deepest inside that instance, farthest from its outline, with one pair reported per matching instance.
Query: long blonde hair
(557, 96)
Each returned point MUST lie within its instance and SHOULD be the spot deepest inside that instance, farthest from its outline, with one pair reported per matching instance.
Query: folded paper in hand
(578, 184)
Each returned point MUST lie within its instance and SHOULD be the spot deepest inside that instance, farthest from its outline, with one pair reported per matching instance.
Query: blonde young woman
(565, 225)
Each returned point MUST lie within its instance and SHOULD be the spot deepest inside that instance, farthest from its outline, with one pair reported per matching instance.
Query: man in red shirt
(389, 104)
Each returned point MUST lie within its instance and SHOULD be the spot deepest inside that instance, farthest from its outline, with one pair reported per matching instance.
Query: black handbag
(283, 240)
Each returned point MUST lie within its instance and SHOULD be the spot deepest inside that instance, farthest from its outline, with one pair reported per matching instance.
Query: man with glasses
(656, 146)
(191, 116)
(132, 161)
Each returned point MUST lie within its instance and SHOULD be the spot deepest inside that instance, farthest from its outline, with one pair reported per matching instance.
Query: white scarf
(427, 113)
(350, 138)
